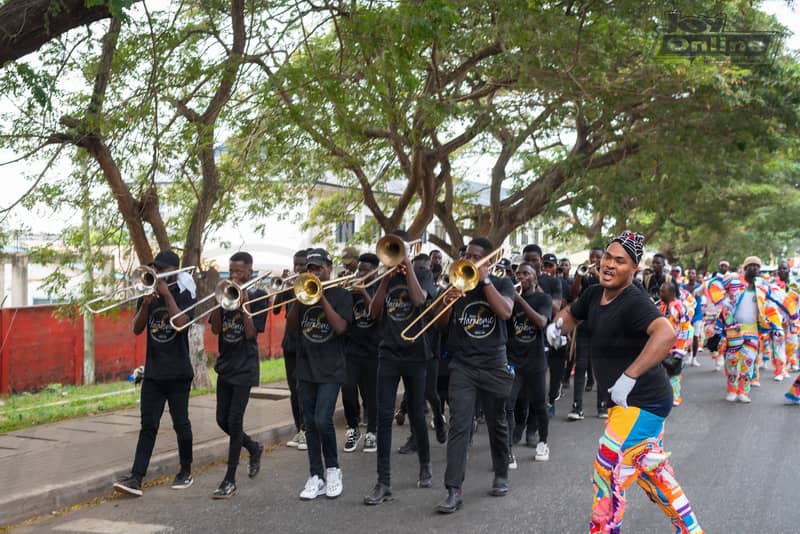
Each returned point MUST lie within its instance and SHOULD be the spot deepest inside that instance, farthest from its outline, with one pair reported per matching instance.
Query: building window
(345, 231)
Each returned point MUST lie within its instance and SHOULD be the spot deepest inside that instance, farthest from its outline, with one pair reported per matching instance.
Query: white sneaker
(293, 442)
(795, 368)
(333, 479)
(370, 442)
(301, 441)
(512, 461)
(743, 398)
(542, 452)
(778, 378)
(718, 366)
(730, 397)
(755, 384)
(695, 362)
(314, 488)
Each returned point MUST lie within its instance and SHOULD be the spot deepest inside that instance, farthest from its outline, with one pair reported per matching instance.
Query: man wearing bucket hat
(746, 308)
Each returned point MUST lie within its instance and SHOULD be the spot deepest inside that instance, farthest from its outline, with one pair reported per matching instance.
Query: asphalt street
(737, 463)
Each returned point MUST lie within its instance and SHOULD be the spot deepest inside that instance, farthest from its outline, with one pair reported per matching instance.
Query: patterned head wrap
(633, 243)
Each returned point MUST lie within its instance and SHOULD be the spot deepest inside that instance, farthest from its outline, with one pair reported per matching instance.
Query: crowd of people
(501, 351)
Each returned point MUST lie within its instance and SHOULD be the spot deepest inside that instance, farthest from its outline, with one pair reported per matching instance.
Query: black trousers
(319, 404)
(431, 392)
(492, 387)
(231, 405)
(556, 361)
(155, 393)
(389, 374)
(362, 375)
(582, 368)
(533, 382)
(290, 364)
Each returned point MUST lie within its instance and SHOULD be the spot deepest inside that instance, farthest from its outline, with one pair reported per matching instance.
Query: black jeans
(389, 374)
(362, 374)
(155, 393)
(231, 404)
(533, 383)
(431, 392)
(319, 403)
(492, 387)
(556, 361)
(290, 364)
(582, 368)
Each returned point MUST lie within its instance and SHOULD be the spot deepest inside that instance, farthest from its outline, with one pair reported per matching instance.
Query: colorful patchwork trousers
(631, 451)
(774, 350)
(741, 355)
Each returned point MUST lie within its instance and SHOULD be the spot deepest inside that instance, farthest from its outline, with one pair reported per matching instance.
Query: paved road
(737, 463)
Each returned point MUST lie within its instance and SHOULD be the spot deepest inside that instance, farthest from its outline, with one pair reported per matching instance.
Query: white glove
(621, 389)
(554, 336)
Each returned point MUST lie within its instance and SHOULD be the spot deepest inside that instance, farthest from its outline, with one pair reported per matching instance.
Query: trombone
(307, 289)
(391, 250)
(464, 277)
(228, 295)
(277, 285)
(145, 280)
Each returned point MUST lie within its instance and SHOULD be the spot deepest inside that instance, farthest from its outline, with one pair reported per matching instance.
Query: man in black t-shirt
(362, 362)
(168, 371)
(629, 338)
(527, 358)
(321, 330)
(656, 279)
(476, 343)
(582, 357)
(398, 301)
(238, 370)
(289, 347)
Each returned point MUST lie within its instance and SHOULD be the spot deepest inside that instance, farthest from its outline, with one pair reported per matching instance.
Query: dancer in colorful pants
(629, 338)
(674, 310)
(746, 308)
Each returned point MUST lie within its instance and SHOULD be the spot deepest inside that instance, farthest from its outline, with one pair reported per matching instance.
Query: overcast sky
(14, 184)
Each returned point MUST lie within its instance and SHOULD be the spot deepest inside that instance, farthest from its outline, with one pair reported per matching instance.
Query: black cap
(550, 258)
(319, 256)
(505, 263)
(165, 259)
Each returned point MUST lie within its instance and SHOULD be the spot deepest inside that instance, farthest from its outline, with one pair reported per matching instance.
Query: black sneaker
(425, 477)
(602, 411)
(399, 417)
(575, 415)
(499, 487)
(531, 439)
(451, 503)
(130, 485)
(380, 493)
(589, 387)
(255, 462)
(352, 439)
(226, 490)
(182, 481)
(409, 447)
(441, 429)
(516, 436)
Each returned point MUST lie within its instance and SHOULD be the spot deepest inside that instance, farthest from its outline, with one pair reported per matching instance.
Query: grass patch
(57, 402)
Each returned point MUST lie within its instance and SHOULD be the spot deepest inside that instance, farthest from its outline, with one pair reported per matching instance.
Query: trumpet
(307, 290)
(228, 295)
(145, 280)
(464, 276)
(583, 269)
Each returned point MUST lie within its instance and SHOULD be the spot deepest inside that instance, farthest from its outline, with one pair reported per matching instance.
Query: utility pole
(88, 262)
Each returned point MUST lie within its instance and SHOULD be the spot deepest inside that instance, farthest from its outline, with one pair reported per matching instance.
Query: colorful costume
(629, 453)
(743, 341)
(676, 313)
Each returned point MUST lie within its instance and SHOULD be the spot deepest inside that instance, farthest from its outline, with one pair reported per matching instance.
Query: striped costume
(676, 314)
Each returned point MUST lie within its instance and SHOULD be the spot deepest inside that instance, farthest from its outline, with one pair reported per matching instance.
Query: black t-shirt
(237, 363)
(550, 285)
(398, 313)
(618, 334)
(363, 333)
(476, 337)
(525, 340)
(289, 341)
(167, 349)
(653, 285)
(566, 289)
(320, 355)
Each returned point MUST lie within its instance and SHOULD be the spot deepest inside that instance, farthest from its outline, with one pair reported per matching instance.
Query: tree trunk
(198, 355)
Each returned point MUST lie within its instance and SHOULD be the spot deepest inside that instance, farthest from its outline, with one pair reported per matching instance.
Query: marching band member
(629, 339)
(397, 302)
(237, 370)
(321, 329)
(476, 343)
(168, 371)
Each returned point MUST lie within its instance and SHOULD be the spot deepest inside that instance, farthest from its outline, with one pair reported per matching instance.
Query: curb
(81, 489)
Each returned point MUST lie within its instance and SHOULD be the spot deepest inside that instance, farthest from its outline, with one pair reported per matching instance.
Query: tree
(561, 97)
